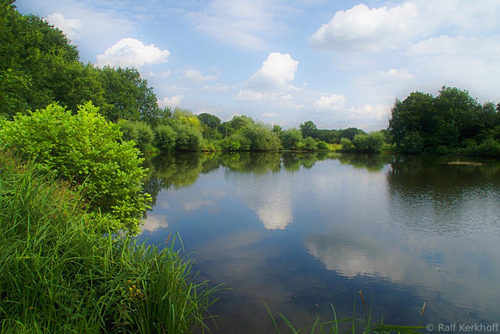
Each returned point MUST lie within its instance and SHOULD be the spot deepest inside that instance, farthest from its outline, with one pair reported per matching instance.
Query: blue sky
(337, 63)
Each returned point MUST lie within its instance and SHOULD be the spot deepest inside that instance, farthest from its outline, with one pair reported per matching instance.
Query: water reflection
(300, 230)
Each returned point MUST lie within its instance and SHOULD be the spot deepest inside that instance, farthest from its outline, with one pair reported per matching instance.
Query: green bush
(88, 151)
(359, 143)
(128, 129)
(309, 144)
(412, 143)
(322, 145)
(489, 147)
(291, 138)
(189, 138)
(346, 145)
(164, 138)
(144, 136)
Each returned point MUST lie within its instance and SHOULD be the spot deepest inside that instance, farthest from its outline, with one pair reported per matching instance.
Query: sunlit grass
(58, 275)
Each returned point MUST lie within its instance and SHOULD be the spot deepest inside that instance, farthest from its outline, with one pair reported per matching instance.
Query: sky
(337, 63)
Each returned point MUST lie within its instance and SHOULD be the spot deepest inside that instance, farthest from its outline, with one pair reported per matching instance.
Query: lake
(302, 232)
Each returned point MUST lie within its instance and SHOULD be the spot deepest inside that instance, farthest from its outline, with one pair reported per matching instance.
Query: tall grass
(59, 275)
(354, 325)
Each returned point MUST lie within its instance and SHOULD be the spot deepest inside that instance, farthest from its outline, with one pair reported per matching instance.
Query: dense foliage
(452, 122)
(60, 275)
(86, 150)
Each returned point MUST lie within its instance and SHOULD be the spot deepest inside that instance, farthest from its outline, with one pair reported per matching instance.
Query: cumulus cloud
(131, 52)
(194, 75)
(272, 82)
(68, 26)
(277, 72)
(173, 101)
(363, 29)
(330, 103)
(369, 113)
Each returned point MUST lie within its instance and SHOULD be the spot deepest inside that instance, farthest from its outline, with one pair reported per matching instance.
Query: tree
(164, 138)
(189, 138)
(308, 128)
(350, 133)
(129, 96)
(88, 151)
(209, 120)
(291, 139)
(261, 137)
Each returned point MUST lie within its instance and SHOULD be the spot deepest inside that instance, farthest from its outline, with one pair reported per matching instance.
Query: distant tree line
(39, 66)
(452, 122)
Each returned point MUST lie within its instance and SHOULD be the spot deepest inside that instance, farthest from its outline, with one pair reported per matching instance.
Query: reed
(283, 325)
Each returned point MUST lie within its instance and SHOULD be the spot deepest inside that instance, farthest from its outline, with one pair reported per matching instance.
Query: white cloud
(173, 101)
(369, 113)
(154, 222)
(218, 87)
(269, 114)
(277, 71)
(68, 26)
(283, 99)
(242, 23)
(194, 75)
(466, 62)
(363, 29)
(334, 102)
(399, 75)
(165, 74)
(272, 82)
(131, 52)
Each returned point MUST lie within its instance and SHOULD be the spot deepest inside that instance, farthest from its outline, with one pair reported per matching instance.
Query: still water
(302, 232)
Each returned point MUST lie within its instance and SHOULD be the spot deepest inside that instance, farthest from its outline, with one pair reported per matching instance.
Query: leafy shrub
(188, 138)
(359, 142)
(59, 275)
(412, 143)
(88, 151)
(261, 137)
(346, 145)
(144, 135)
(309, 144)
(164, 138)
(322, 145)
(128, 129)
(291, 138)
(489, 147)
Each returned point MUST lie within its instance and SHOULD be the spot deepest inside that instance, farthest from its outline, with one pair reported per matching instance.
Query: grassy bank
(59, 275)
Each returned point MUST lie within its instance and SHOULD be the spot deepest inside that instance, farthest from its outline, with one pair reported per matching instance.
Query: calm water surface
(304, 231)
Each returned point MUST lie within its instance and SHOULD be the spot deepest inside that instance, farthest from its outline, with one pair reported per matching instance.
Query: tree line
(452, 122)
(39, 66)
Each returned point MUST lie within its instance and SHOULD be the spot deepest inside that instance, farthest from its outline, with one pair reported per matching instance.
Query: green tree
(129, 96)
(209, 120)
(188, 138)
(164, 138)
(291, 139)
(308, 128)
(88, 151)
(261, 137)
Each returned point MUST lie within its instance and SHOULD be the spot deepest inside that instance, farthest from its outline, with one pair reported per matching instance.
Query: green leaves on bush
(88, 151)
